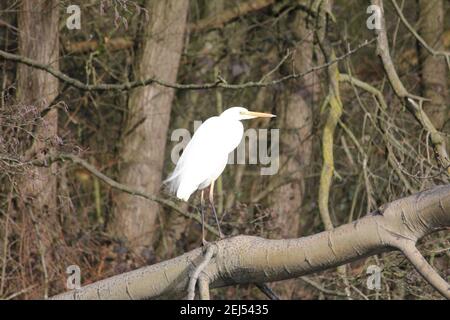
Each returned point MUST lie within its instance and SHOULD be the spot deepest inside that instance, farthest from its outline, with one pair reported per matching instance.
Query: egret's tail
(172, 182)
(175, 185)
(185, 190)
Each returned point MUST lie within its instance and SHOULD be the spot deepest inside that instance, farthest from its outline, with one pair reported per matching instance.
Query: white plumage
(206, 155)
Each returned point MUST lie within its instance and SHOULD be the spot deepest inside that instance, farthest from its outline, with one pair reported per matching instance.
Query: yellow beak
(258, 114)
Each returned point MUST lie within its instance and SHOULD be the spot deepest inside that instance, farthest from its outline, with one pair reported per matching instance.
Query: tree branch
(203, 288)
(326, 175)
(247, 259)
(92, 45)
(217, 21)
(191, 288)
(231, 14)
(264, 288)
(423, 267)
(219, 83)
(116, 185)
(444, 54)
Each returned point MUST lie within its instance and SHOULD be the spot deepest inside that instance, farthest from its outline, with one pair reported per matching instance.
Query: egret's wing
(206, 154)
(199, 139)
(203, 146)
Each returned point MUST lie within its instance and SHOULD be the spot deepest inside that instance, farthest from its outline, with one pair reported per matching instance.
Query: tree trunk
(38, 22)
(295, 122)
(143, 144)
(434, 69)
(38, 40)
(295, 116)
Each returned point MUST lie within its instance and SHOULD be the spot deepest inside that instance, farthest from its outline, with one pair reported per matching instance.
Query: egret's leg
(211, 200)
(202, 209)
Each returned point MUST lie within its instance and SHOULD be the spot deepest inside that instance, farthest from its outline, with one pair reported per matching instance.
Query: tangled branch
(409, 99)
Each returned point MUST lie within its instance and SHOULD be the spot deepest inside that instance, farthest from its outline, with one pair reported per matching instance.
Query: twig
(321, 288)
(194, 277)
(278, 66)
(5, 245)
(383, 107)
(267, 291)
(6, 24)
(24, 290)
(366, 87)
(433, 52)
(273, 185)
(42, 253)
(116, 185)
(370, 201)
(203, 288)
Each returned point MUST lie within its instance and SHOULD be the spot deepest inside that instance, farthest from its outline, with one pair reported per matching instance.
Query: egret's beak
(258, 114)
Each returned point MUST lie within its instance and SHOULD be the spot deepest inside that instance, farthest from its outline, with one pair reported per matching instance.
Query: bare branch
(267, 291)
(423, 267)
(246, 259)
(444, 54)
(219, 83)
(226, 16)
(116, 185)
(192, 283)
(203, 288)
(91, 45)
(322, 289)
(327, 172)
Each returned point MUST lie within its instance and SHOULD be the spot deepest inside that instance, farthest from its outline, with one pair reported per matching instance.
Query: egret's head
(240, 113)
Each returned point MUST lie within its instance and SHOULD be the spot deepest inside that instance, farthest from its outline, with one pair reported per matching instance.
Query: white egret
(206, 155)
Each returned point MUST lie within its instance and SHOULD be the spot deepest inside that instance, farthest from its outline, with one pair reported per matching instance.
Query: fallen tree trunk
(246, 259)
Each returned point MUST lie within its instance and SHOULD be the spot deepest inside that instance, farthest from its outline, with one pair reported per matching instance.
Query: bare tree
(145, 134)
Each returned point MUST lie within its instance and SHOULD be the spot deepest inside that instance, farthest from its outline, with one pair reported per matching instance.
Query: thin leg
(202, 209)
(211, 201)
